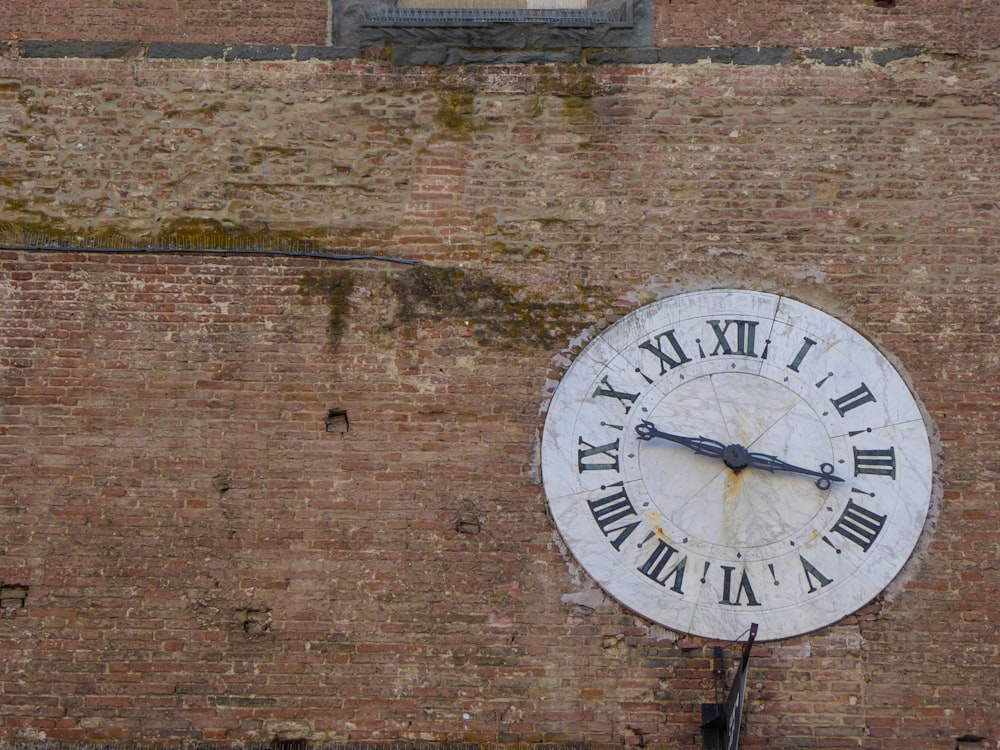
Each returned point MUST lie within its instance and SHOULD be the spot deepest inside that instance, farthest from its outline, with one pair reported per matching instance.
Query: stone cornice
(434, 55)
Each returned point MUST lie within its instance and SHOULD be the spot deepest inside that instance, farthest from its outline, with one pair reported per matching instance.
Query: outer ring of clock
(676, 538)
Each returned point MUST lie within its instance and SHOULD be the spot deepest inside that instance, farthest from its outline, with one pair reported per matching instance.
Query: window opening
(483, 12)
(525, 4)
(450, 28)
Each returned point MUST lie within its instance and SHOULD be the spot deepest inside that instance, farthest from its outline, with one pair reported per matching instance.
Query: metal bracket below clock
(720, 722)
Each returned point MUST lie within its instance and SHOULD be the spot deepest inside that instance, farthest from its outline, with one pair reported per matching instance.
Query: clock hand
(704, 446)
(736, 457)
(773, 463)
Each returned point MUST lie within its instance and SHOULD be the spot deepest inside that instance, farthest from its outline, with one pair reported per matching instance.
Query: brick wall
(226, 21)
(925, 24)
(249, 497)
(951, 25)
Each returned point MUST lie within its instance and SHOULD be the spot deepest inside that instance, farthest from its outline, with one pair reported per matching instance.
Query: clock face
(723, 458)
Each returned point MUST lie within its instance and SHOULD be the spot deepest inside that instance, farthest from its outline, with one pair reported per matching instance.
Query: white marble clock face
(782, 477)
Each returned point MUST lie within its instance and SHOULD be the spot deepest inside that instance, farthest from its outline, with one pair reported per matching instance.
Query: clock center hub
(736, 457)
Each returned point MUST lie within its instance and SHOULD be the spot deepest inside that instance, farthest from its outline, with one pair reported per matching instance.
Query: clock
(723, 458)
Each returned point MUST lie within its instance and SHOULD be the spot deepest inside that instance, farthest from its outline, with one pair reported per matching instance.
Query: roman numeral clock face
(724, 458)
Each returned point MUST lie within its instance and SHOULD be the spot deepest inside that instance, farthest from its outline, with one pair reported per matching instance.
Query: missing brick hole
(255, 621)
(13, 596)
(970, 738)
(468, 526)
(469, 521)
(336, 421)
(222, 483)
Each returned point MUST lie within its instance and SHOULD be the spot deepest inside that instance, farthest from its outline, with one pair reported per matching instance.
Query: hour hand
(773, 463)
(704, 446)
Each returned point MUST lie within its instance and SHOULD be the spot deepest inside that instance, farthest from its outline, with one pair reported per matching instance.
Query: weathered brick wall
(191, 22)
(940, 25)
(954, 25)
(193, 548)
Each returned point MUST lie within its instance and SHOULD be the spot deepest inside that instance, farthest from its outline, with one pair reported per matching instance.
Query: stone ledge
(445, 55)
(166, 51)
(834, 57)
(300, 744)
(99, 50)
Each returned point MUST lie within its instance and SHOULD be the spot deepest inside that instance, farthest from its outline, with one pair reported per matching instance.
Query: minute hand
(704, 446)
(773, 463)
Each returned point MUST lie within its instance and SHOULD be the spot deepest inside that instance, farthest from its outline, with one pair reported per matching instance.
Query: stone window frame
(417, 14)
(604, 23)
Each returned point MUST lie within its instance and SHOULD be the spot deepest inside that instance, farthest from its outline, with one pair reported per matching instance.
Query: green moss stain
(196, 232)
(500, 316)
(519, 251)
(568, 80)
(25, 208)
(204, 234)
(10, 90)
(36, 229)
(334, 288)
(576, 108)
(455, 112)
(208, 110)
(211, 234)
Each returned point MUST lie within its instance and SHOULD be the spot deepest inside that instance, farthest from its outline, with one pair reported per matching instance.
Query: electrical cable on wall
(21, 239)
